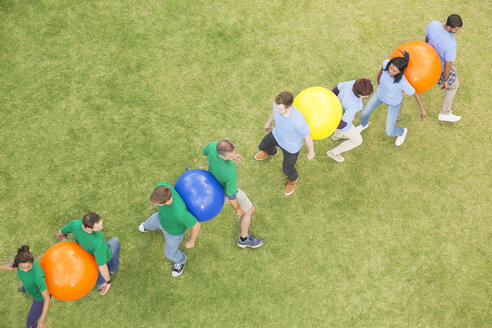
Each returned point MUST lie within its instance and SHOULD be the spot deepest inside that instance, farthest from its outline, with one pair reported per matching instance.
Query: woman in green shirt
(32, 277)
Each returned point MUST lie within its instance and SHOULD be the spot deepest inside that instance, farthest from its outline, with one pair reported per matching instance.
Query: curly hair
(363, 87)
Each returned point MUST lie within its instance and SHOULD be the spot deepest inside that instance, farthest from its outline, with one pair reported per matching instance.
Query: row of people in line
(291, 129)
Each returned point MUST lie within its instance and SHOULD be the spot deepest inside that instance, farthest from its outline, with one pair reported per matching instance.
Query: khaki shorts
(243, 201)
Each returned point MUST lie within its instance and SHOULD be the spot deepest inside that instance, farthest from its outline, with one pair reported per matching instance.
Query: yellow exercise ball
(322, 110)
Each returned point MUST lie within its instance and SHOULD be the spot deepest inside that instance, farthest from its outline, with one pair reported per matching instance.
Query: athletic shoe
(251, 242)
(400, 139)
(290, 187)
(22, 289)
(338, 158)
(449, 117)
(177, 270)
(261, 155)
(361, 128)
(141, 228)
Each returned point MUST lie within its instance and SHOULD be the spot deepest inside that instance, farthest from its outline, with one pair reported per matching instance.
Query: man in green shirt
(173, 219)
(221, 156)
(87, 233)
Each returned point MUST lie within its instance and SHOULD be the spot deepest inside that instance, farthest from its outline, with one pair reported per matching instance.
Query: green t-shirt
(33, 281)
(224, 171)
(175, 217)
(91, 242)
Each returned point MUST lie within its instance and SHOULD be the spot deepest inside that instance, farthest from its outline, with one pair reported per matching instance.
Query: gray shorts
(243, 201)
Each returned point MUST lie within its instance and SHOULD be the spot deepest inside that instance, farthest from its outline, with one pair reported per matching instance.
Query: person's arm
(103, 269)
(235, 204)
(423, 113)
(268, 124)
(447, 70)
(335, 91)
(46, 305)
(7, 267)
(426, 39)
(310, 147)
(238, 158)
(61, 235)
(195, 230)
(379, 74)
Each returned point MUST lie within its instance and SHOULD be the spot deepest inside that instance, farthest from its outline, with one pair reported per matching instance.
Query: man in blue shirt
(290, 130)
(440, 36)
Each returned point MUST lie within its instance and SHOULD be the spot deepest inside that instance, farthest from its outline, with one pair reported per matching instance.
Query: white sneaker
(400, 139)
(338, 158)
(449, 117)
(177, 270)
(361, 128)
(141, 228)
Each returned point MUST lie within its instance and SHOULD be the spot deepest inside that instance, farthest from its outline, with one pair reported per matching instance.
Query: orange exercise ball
(70, 272)
(424, 67)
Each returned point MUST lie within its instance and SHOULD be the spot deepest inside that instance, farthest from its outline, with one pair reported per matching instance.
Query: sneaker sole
(246, 246)
(262, 159)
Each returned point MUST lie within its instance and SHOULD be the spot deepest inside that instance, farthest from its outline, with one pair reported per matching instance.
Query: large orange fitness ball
(424, 67)
(321, 109)
(70, 272)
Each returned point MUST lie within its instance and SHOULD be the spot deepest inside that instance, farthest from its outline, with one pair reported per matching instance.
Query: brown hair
(160, 195)
(90, 219)
(23, 256)
(225, 146)
(363, 87)
(284, 98)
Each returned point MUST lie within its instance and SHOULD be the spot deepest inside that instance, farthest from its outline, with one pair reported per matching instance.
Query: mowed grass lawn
(100, 100)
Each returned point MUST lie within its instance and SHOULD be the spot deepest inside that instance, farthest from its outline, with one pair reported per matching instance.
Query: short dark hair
(401, 63)
(284, 98)
(225, 146)
(90, 219)
(23, 256)
(160, 195)
(454, 20)
(363, 87)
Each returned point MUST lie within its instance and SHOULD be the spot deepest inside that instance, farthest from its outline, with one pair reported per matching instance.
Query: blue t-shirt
(351, 104)
(289, 131)
(390, 92)
(442, 40)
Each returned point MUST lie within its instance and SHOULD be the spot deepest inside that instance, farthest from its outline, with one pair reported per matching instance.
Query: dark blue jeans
(269, 145)
(114, 261)
(34, 313)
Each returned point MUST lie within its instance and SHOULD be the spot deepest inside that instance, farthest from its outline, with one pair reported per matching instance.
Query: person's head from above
(161, 195)
(454, 23)
(92, 222)
(363, 88)
(397, 65)
(226, 150)
(24, 259)
(283, 102)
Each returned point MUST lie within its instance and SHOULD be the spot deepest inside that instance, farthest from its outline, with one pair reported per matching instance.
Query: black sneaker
(177, 270)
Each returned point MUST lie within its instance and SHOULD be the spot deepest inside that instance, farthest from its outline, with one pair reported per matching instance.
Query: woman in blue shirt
(391, 85)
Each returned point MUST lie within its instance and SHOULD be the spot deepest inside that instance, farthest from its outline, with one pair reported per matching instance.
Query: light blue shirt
(390, 92)
(442, 40)
(289, 131)
(351, 104)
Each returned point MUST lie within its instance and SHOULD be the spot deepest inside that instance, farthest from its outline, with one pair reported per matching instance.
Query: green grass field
(100, 100)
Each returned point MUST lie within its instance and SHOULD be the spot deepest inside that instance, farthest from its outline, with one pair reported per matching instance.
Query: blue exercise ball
(202, 194)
